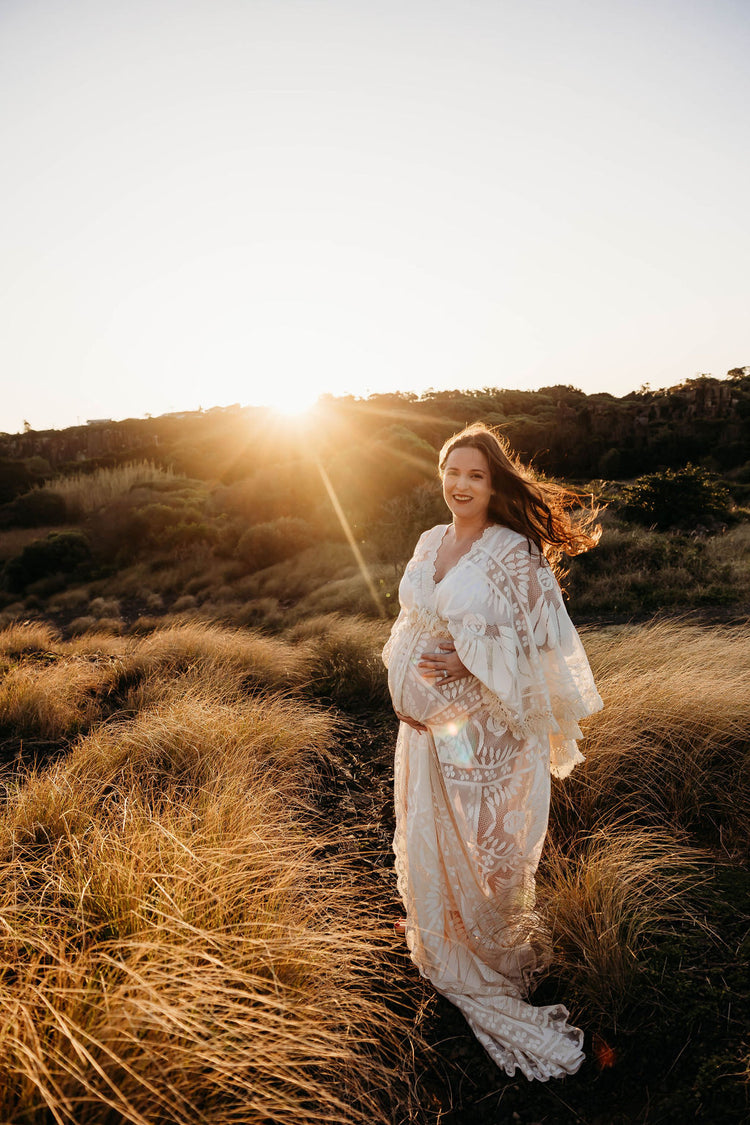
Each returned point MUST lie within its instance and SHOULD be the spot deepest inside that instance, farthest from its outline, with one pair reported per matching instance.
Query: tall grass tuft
(87, 492)
(344, 658)
(23, 638)
(224, 655)
(178, 945)
(670, 747)
(184, 742)
(604, 901)
(90, 676)
(51, 701)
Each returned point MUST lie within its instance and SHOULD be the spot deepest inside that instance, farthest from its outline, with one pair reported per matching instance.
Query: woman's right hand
(412, 723)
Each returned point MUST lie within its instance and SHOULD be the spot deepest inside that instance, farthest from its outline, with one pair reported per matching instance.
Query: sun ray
(350, 539)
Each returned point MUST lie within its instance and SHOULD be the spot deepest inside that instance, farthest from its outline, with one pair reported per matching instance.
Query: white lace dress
(472, 794)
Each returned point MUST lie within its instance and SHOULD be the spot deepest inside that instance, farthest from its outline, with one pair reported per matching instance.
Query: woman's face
(467, 484)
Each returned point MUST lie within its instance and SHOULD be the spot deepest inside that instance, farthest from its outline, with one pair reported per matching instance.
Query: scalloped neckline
(438, 581)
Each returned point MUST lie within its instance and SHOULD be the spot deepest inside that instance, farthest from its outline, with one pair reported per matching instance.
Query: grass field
(196, 873)
(196, 886)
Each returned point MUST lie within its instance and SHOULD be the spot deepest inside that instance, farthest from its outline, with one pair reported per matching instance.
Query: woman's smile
(467, 484)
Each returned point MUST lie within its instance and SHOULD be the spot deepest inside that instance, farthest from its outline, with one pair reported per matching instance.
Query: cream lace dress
(472, 794)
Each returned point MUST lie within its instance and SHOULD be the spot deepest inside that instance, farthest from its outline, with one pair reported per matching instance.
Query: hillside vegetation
(196, 885)
(257, 520)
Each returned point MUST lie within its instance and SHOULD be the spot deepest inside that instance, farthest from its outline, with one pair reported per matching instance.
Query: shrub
(268, 543)
(187, 601)
(146, 624)
(135, 523)
(83, 624)
(633, 570)
(352, 595)
(300, 575)
(70, 599)
(259, 613)
(676, 498)
(288, 485)
(14, 478)
(402, 521)
(104, 607)
(62, 552)
(111, 625)
(37, 508)
(610, 463)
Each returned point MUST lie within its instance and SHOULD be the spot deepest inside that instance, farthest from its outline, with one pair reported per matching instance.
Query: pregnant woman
(489, 679)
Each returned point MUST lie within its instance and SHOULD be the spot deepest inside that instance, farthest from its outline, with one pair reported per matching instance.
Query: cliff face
(79, 443)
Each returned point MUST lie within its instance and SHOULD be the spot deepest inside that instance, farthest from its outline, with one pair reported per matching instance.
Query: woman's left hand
(443, 666)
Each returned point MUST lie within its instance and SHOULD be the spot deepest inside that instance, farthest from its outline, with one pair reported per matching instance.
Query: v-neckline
(438, 581)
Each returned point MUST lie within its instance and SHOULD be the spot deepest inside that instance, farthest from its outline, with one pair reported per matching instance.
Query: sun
(294, 405)
(289, 399)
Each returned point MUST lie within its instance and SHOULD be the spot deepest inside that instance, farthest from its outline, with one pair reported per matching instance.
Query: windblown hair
(535, 508)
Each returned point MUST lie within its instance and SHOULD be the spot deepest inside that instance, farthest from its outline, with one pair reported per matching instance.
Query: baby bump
(426, 700)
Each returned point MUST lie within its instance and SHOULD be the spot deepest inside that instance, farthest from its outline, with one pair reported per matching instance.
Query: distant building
(97, 421)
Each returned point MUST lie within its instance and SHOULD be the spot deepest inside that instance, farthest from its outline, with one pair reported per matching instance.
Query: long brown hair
(536, 508)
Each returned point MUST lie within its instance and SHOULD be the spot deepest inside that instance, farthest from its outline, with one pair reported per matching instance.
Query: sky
(260, 201)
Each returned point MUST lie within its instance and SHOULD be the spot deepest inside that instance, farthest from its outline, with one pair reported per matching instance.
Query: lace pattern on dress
(472, 792)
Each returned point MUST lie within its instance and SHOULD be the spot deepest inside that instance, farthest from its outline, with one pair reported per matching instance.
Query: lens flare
(350, 539)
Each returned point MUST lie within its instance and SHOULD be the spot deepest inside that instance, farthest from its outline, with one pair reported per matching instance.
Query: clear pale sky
(258, 201)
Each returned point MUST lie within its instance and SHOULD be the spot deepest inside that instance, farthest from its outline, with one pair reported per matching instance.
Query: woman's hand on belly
(411, 722)
(443, 666)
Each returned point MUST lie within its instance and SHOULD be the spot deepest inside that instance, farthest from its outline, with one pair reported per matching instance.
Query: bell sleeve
(512, 631)
(405, 595)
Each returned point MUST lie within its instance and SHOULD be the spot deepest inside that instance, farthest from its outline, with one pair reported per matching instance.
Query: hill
(564, 430)
(196, 743)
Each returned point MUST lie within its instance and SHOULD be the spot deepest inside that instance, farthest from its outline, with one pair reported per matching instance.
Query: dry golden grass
(604, 901)
(298, 576)
(176, 947)
(87, 492)
(733, 546)
(167, 579)
(51, 701)
(146, 623)
(260, 613)
(670, 747)
(114, 625)
(179, 944)
(96, 645)
(77, 597)
(186, 601)
(733, 550)
(86, 623)
(351, 595)
(188, 735)
(99, 671)
(344, 658)
(216, 653)
(27, 637)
